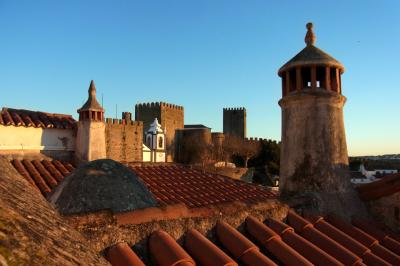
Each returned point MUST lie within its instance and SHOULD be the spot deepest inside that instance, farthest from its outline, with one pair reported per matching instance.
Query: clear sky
(204, 55)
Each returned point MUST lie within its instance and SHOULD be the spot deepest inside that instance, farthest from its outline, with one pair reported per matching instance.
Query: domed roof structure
(311, 55)
(102, 185)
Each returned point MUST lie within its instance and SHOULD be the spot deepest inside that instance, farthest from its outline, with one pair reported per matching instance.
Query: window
(160, 142)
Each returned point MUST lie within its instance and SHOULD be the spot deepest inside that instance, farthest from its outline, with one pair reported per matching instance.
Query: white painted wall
(146, 154)
(36, 139)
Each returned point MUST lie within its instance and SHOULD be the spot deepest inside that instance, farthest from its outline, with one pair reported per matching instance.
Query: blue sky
(204, 55)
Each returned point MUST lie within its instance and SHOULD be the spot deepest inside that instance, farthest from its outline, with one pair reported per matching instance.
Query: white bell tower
(155, 140)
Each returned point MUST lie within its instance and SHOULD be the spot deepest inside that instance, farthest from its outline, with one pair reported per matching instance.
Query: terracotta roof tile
(204, 251)
(380, 235)
(178, 184)
(240, 247)
(348, 242)
(365, 239)
(282, 244)
(273, 243)
(27, 118)
(44, 175)
(122, 255)
(166, 251)
(387, 186)
(301, 245)
(309, 232)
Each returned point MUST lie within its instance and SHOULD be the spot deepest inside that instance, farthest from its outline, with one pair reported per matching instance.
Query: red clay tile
(35, 175)
(166, 251)
(381, 236)
(27, 118)
(301, 245)
(273, 243)
(204, 251)
(122, 255)
(45, 174)
(53, 170)
(64, 171)
(21, 169)
(365, 239)
(196, 188)
(382, 188)
(348, 242)
(240, 247)
(321, 240)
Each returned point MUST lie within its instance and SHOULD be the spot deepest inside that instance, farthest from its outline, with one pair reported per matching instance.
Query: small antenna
(116, 111)
(102, 106)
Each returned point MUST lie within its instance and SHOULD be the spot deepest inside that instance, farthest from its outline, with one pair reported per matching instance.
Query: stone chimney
(314, 160)
(91, 141)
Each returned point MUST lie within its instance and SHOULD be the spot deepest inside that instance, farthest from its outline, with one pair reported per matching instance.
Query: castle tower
(90, 140)
(155, 140)
(314, 158)
(234, 122)
(171, 118)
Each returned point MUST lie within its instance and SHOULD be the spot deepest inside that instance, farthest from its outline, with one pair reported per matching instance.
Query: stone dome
(102, 185)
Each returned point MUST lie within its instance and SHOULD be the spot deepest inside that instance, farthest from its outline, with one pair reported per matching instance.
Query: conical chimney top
(311, 55)
(91, 103)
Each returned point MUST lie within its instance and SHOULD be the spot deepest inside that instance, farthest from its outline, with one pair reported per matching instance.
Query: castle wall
(191, 144)
(31, 140)
(171, 117)
(124, 140)
(234, 122)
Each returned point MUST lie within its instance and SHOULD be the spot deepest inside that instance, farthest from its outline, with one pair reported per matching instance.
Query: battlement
(235, 121)
(158, 105)
(234, 109)
(113, 121)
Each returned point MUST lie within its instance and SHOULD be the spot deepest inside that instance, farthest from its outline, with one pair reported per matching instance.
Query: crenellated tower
(90, 140)
(234, 122)
(171, 118)
(314, 159)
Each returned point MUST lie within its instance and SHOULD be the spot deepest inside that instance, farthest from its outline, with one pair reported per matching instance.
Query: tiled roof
(387, 186)
(311, 55)
(44, 175)
(194, 188)
(316, 241)
(169, 184)
(27, 118)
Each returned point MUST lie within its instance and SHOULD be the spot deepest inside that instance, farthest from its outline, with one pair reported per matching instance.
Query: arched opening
(292, 82)
(306, 77)
(160, 142)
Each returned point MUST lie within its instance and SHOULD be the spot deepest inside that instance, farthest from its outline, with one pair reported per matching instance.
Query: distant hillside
(388, 161)
(378, 157)
(32, 232)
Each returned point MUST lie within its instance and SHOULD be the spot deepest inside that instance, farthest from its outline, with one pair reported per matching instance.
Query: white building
(371, 174)
(155, 143)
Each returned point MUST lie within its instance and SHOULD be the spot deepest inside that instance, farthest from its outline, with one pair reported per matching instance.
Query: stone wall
(234, 122)
(314, 160)
(124, 140)
(191, 144)
(170, 116)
